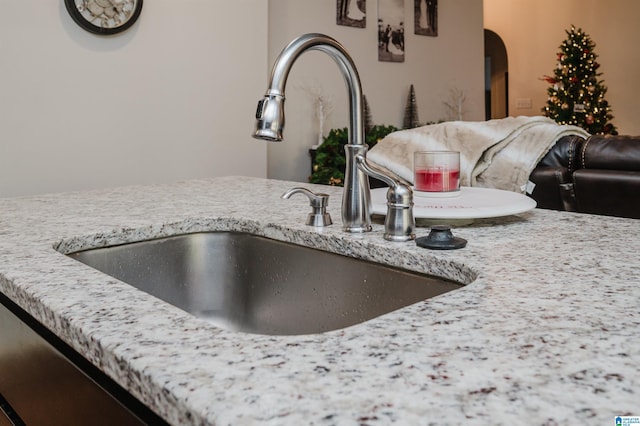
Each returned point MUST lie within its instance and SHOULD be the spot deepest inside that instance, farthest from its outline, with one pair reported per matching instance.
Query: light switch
(523, 103)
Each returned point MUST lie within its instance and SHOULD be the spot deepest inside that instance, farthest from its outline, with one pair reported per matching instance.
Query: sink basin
(253, 284)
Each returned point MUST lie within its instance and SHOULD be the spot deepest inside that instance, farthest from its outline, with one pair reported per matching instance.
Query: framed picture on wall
(351, 13)
(426, 17)
(391, 30)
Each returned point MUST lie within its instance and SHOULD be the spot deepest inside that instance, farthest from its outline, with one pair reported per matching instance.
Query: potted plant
(328, 160)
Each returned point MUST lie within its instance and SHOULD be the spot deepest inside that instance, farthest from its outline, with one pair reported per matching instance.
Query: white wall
(533, 30)
(170, 99)
(434, 65)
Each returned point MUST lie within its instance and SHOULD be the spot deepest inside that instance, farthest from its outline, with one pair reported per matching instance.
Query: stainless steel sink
(254, 284)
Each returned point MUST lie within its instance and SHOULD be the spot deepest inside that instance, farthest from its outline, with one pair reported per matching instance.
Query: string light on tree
(575, 95)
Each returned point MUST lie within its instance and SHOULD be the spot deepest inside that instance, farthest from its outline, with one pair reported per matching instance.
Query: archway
(496, 76)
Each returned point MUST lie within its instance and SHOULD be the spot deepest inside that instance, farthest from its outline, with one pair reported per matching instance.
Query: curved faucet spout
(270, 115)
(270, 121)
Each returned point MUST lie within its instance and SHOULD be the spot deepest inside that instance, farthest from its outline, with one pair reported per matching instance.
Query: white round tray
(473, 203)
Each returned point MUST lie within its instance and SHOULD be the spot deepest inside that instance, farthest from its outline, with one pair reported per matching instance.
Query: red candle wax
(436, 180)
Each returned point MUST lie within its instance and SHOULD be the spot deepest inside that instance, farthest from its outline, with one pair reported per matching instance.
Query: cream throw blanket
(498, 153)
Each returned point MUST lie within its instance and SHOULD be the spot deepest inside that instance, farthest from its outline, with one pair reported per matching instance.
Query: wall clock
(104, 17)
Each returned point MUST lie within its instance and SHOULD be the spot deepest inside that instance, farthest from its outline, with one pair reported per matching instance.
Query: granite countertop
(546, 331)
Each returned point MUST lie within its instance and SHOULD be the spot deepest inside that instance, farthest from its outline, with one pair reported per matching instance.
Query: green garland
(329, 161)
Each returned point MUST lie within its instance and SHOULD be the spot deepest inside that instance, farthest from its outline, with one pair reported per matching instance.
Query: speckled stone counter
(546, 331)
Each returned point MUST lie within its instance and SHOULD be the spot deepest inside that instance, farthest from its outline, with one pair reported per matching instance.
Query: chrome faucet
(270, 122)
(356, 197)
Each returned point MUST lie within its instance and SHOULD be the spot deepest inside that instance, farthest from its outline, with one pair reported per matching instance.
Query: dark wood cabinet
(42, 382)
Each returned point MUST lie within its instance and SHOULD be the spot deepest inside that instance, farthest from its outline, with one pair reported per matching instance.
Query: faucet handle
(318, 203)
(399, 223)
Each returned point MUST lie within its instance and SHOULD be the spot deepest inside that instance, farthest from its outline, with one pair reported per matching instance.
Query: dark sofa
(597, 175)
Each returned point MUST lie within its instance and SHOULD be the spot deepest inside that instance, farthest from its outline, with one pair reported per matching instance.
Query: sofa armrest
(565, 153)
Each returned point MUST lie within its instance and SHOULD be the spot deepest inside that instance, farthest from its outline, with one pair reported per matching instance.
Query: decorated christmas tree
(368, 118)
(411, 111)
(576, 96)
